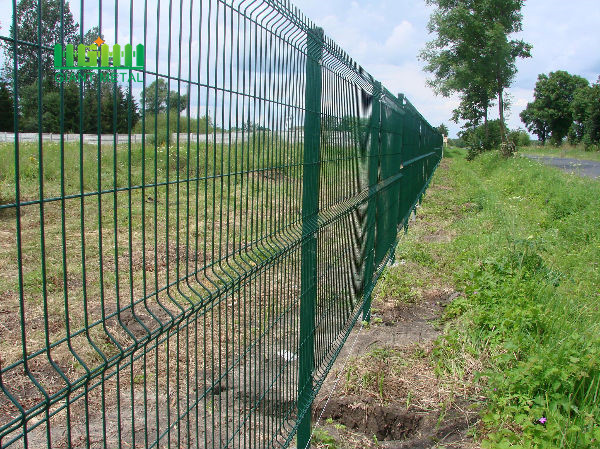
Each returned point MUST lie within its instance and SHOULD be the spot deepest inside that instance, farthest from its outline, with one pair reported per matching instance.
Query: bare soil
(409, 406)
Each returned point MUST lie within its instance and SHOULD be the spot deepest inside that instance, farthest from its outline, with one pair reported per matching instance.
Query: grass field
(145, 272)
(575, 152)
(522, 242)
(117, 253)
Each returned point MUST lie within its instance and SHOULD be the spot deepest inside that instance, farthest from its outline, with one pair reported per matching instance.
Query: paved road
(591, 169)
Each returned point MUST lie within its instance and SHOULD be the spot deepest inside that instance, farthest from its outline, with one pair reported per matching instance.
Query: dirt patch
(447, 432)
(420, 315)
(437, 236)
(366, 416)
(389, 394)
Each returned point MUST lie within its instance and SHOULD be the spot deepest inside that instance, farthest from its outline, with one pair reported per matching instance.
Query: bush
(156, 126)
(520, 138)
(458, 143)
(479, 140)
(529, 310)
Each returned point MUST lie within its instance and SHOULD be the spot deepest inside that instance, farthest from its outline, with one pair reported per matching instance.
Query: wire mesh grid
(191, 288)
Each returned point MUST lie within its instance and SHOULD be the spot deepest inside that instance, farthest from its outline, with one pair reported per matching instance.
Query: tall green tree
(114, 111)
(472, 53)
(586, 115)
(6, 109)
(473, 108)
(157, 96)
(579, 107)
(52, 14)
(533, 116)
(117, 111)
(443, 129)
(452, 58)
(551, 110)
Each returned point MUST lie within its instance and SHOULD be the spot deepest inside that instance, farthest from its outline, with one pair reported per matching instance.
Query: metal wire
(194, 289)
(335, 383)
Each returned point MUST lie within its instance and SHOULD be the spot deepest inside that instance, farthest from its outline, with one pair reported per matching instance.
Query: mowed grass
(522, 242)
(565, 150)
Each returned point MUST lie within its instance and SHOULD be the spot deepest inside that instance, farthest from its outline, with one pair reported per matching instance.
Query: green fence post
(373, 169)
(310, 209)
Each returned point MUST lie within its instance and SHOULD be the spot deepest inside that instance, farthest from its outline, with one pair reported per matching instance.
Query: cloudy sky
(385, 37)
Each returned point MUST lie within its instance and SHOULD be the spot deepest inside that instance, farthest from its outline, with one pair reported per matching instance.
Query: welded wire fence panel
(188, 278)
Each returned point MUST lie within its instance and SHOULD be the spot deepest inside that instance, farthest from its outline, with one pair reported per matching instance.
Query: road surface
(591, 169)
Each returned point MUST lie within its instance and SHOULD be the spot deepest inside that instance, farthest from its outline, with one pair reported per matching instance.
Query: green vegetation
(178, 183)
(565, 150)
(375, 374)
(524, 247)
(89, 106)
(54, 16)
(6, 108)
(156, 125)
(564, 105)
(141, 160)
(443, 129)
(120, 167)
(323, 440)
(473, 55)
(481, 138)
(158, 98)
(402, 286)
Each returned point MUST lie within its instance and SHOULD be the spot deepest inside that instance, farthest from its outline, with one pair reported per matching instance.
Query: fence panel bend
(191, 282)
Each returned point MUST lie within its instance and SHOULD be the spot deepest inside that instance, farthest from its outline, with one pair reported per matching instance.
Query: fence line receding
(190, 283)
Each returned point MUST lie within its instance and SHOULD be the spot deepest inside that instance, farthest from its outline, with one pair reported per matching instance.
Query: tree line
(89, 105)
(473, 55)
(564, 106)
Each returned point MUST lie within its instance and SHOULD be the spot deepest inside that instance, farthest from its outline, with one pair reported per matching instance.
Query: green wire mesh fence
(196, 200)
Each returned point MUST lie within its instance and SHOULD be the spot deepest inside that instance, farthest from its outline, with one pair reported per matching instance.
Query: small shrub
(520, 138)
(323, 439)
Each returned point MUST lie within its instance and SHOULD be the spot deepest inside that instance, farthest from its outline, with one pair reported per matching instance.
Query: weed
(375, 373)
(375, 440)
(527, 261)
(323, 440)
(138, 379)
(401, 286)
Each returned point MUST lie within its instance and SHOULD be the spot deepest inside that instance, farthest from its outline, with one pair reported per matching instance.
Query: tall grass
(526, 253)
(121, 166)
(156, 125)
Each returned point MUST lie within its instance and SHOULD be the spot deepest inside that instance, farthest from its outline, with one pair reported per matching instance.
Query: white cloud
(400, 37)
(385, 37)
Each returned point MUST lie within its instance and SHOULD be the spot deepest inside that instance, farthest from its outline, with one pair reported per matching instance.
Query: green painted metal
(310, 213)
(187, 246)
(373, 162)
